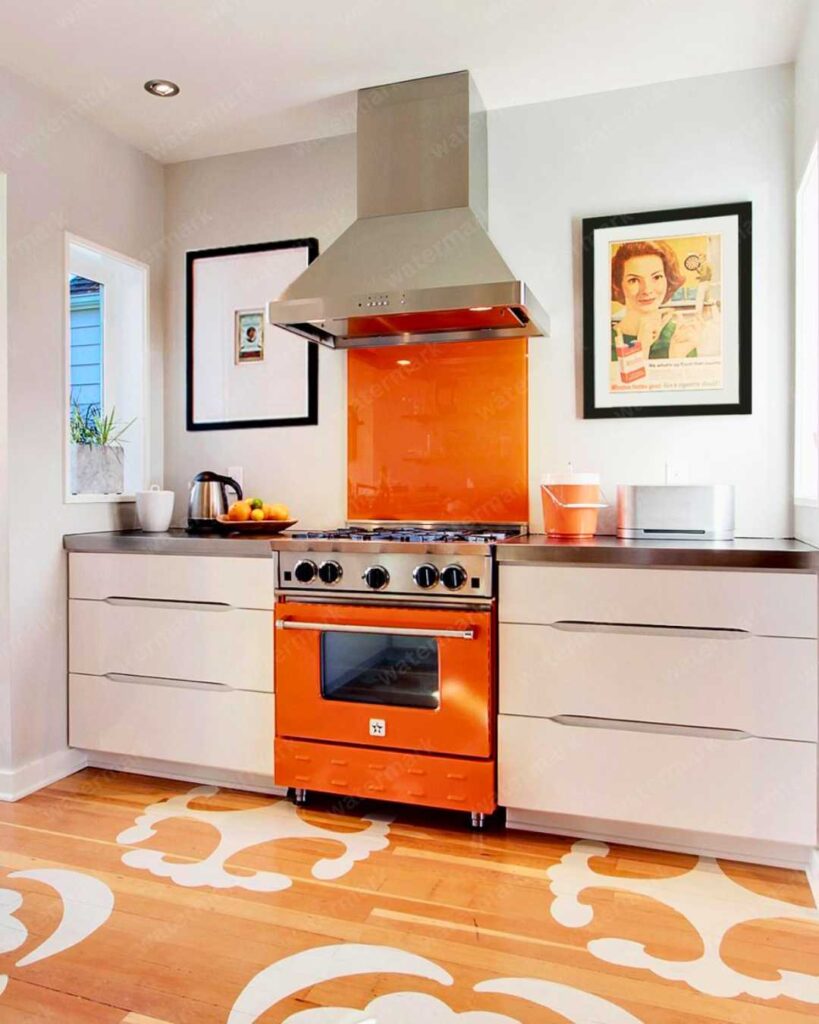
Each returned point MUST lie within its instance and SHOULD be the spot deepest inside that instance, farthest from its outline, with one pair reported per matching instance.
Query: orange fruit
(280, 511)
(239, 512)
(268, 511)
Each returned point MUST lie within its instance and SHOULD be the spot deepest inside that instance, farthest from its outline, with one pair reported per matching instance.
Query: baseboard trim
(16, 783)
(812, 871)
(701, 844)
(196, 774)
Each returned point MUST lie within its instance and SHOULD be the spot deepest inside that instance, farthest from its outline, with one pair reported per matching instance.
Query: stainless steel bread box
(675, 512)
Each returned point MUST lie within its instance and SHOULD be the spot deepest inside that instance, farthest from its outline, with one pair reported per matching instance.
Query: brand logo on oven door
(378, 727)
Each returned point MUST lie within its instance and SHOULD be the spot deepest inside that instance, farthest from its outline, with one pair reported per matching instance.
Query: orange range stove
(385, 668)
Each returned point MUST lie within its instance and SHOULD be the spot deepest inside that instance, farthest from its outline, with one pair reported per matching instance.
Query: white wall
(303, 190)
(5, 687)
(806, 87)
(64, 174)
(806, 131)
(708, 140)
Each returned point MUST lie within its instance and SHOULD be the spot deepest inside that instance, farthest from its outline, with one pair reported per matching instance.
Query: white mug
(154, 509)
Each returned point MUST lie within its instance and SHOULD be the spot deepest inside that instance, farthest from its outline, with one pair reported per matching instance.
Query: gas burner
(343, 533)
(409, 535)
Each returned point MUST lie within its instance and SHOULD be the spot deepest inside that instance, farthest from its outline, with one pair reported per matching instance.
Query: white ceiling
(260, 73)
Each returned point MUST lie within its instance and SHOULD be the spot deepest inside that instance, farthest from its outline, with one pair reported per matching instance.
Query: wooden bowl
(263, 526)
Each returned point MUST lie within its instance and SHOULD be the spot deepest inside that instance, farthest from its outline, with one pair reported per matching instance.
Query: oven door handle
(446, 634)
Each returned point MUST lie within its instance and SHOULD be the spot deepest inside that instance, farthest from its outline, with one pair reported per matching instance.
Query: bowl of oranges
(252, 515)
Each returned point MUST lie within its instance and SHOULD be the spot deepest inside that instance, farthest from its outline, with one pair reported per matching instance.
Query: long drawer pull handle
(646, 629)
(179, 684)
(160, 602)
(325, 627)
(660, 728)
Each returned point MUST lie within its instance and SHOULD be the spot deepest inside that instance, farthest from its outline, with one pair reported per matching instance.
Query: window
(806, 412)
(106, 365)
(86, 343)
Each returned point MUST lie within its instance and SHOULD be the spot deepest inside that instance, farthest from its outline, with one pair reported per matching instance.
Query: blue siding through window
(86, 343)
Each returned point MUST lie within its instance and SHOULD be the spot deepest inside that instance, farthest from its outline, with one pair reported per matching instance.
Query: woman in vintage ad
(644, 277)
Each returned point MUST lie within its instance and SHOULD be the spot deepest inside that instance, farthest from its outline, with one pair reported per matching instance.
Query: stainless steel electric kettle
(208, 499)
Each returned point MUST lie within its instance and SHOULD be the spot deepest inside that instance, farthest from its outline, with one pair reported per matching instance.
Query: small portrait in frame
(249, 341)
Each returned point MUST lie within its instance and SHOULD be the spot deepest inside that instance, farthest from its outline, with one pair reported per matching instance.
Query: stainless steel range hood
(417, 265)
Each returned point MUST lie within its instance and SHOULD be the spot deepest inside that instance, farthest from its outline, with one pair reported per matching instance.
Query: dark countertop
(174, 542)
(742, 553)
(535, 549)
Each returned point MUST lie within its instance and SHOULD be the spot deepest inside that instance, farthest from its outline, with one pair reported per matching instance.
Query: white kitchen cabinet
(749, 788)
(209, 643)
(681, 699)
(765, 686)
(171, 658)
(238, 582)
(762, 603)
(186, 722)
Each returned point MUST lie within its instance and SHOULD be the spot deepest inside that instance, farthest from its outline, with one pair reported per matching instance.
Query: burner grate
(408, 535)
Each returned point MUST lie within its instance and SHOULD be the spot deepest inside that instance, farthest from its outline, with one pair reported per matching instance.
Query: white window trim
(810, 176)
(95, 499)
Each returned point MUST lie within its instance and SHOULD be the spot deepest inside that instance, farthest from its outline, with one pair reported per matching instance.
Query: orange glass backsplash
(438, 432)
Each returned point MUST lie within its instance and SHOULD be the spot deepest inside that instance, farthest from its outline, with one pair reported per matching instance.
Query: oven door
(403, 678)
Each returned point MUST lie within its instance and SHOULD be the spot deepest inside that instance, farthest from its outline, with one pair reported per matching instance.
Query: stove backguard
(438, 433)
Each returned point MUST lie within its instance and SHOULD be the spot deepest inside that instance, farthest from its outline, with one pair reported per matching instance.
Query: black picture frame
(311, 419)
(743, 406)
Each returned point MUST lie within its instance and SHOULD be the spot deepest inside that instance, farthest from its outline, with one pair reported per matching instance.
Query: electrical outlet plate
(676, 473)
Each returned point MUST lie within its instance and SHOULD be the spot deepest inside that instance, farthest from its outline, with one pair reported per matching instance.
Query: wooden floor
(231, 908)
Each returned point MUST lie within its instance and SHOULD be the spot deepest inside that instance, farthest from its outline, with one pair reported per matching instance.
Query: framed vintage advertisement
(249, 336)
(241, 371)
(667, 313)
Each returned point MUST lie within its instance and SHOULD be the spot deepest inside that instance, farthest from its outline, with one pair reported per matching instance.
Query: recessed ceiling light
(161, 87)
(403, 362)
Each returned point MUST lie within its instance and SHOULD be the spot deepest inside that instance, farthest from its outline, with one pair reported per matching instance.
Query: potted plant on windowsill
(97, 455)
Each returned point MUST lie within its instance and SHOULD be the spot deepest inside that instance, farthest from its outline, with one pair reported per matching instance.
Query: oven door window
(374, 668)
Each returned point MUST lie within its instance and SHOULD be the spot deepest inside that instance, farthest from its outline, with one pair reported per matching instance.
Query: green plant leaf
(96, 427)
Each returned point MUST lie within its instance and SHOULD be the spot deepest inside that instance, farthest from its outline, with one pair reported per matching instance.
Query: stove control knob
(453, 577)
(425, 576)
(305, 571)
(376, 577)
(330, 572)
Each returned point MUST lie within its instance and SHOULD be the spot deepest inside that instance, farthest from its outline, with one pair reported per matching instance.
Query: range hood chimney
(417, 265)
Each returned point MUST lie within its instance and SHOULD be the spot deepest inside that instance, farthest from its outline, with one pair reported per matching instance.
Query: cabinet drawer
(221, 645)
(765, 686)
(754, 788)
(764, 603)
(214, 727)
(240, 582)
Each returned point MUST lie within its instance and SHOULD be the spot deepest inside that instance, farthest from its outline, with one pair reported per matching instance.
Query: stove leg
(478, 820)
(300, 797)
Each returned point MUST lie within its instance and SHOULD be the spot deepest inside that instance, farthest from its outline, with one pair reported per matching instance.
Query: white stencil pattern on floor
(712, 903)
(240, 830)
(310, 968)
(87, 904)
